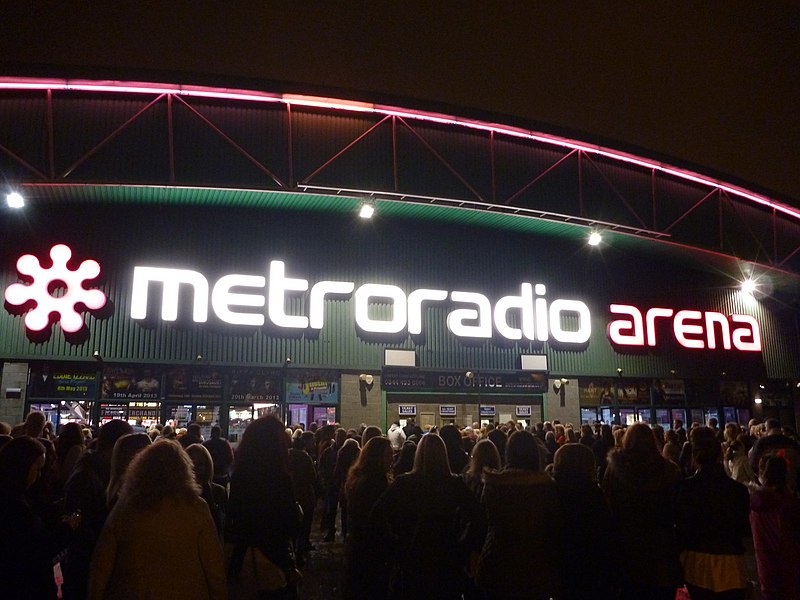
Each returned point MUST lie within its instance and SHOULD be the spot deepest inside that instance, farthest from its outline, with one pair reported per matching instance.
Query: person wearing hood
(639, 486)
(396, 436)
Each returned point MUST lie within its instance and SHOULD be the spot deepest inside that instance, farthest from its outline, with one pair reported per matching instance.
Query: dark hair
(639, 439)
(500, 439)
(371, 464)
(404, 461)
(574, 460)
(263, 450)
(16, 458)
(706, 449)
(71, 434)
(111, 432)
(522, 451)
(772, 471)
(772, 423)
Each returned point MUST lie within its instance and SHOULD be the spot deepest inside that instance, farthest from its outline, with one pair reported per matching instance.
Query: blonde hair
(160, 471)
(484, 456)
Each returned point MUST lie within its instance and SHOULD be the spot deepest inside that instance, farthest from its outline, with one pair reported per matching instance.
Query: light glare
(367, 210)
(595, 239)
(749, 287)
(15, 200)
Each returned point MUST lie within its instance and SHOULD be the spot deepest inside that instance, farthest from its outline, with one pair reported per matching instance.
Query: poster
(62, 382)
(194, 383)
(131, 382)
(312, 387)
(255, 385)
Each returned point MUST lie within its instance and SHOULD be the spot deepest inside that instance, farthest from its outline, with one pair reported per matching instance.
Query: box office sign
(447, 410)
(407, 410)
(497, 382)
(523, 411)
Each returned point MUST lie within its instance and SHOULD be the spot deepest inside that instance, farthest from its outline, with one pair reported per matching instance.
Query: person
(638, 485)
(345, 458)
(147, 384)
(672, 447)
(412, 428)
(28, 545)
(404, 461)
(484, 456)
(681, 431)
(396, 436)
(159, 494)
(711, 520)
(737, 464)
(587, 571)
(603, 444)
(515, 548)
(125, 450)
(775, 442)
(775, 522)
(70, 445)
(366, 558)
(34, 424)
(221, 454)
(262, 510)
(304, 480)
(431, 519)
(326, 467)
(193, 435)
(456, 455)
(215, 496)
(86, 491)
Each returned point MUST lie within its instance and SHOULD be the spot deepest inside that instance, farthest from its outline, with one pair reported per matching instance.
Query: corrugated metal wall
(409, 253)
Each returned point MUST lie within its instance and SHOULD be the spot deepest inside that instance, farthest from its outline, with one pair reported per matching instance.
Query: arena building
(192, 253)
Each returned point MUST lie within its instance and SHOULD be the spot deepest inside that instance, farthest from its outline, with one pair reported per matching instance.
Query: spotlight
(595, 238)
(199, 357)
(757, 400)
(96, 355)
(367, 210)
(619, 370)
(15, 200)
(469, 374)
(748, 287)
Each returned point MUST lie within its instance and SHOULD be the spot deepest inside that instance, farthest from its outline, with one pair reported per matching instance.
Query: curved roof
(90, 140)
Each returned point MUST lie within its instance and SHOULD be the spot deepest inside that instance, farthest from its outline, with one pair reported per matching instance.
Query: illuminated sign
(473, 316)
(47, 303)
(691, 328)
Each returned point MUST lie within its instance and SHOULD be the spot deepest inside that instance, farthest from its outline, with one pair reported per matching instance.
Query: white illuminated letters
(240, 299)
(374, 290)
(171, 280)
(222, 299)
(455, 320)
(279, 284)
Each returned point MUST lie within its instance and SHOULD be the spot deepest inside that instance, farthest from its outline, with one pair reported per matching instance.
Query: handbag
(268, 576)
(252, 572)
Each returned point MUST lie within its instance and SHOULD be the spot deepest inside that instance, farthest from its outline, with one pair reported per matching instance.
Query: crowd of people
(477, 512)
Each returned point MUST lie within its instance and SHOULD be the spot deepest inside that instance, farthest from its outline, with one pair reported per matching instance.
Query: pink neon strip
(15, 83)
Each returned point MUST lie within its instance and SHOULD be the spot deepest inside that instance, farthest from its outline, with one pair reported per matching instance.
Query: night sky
(712, 84)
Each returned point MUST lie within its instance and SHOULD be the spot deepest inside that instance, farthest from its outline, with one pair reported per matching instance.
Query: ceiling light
(595, 238)
(15, 200)
(367, 210)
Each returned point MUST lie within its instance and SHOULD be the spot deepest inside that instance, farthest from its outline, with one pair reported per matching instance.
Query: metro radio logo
(49, 302)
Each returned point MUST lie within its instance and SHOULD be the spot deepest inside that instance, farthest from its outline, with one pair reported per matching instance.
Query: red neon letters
(692, 328)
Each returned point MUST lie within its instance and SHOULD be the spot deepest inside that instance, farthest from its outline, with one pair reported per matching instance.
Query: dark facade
(202, 218)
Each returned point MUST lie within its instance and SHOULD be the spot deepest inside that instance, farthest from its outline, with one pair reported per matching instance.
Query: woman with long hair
(366, 568)
(345, 458)
(426, 513)
(639, 485)
(28, 545)
(214, 494)
(70, 444)
(125, 450)
(484, 456)
(159, 494)
(262, 512)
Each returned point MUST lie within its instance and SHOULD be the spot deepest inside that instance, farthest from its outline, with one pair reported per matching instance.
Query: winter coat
(775, 521)
(432, 524)
(304, 478)
(640, 492)
(187, 563)
(522, 547)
